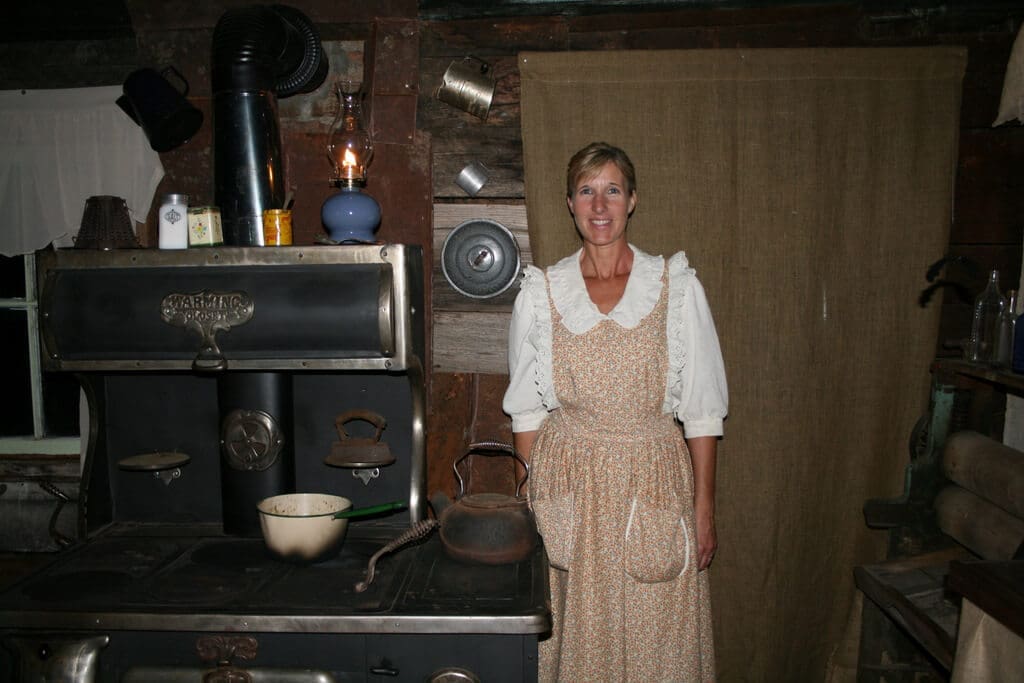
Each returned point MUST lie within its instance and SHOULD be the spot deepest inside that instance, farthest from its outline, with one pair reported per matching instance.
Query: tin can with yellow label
(277, 227)
(204, 228)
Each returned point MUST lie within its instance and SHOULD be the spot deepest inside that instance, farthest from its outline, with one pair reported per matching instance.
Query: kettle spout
(439, 502)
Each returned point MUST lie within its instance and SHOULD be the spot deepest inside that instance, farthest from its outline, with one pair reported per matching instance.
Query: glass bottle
(988, 308)
(1005, 331)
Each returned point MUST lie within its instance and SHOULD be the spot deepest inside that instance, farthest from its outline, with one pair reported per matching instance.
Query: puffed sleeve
(529, 358)
(696, 393)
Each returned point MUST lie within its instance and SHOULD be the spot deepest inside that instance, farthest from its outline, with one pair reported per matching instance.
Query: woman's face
(601, 206)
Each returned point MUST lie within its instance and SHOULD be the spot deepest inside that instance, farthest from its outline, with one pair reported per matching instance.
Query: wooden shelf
(985, 373)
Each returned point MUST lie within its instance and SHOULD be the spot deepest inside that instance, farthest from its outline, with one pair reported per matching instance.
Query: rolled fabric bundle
(990, 469)
(987, 530)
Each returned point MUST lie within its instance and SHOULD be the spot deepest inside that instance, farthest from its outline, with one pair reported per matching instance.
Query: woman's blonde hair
(588, 162)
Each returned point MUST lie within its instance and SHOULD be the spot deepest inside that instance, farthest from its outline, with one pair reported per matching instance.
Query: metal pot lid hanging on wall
(480, 258)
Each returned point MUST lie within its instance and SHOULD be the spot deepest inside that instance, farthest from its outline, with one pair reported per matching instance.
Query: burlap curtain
(810, 189)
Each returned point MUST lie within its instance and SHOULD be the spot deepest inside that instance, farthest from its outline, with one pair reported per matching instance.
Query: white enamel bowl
(302, 526)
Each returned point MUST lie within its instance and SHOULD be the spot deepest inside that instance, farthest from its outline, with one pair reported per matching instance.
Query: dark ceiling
(28, 21)
(62, 20)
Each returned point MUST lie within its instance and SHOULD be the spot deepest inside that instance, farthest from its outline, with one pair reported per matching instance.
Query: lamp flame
(349, 164)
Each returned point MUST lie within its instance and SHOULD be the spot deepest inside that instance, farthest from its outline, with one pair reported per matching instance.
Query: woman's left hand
(707, 539)
(703, 454)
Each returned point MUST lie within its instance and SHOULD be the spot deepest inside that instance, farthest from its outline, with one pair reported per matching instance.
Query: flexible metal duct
(260, 53)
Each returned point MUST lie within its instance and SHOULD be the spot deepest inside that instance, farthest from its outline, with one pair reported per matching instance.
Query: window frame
(39, 442)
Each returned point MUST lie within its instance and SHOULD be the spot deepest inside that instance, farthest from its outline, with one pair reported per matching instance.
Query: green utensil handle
(359, 512)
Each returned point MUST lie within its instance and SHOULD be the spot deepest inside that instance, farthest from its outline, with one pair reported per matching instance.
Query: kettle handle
(493, 447)
(182, 79)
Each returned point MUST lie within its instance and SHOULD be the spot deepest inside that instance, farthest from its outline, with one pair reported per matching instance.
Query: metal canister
(204, 228)
(469, 86)
(277, 227)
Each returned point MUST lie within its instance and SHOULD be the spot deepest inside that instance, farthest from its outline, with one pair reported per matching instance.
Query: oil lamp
(350, 215)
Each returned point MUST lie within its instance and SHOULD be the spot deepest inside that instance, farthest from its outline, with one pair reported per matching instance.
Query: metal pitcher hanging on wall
(468, 85)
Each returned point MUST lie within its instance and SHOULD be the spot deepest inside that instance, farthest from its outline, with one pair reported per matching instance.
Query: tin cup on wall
(469, 86)
(472, 177)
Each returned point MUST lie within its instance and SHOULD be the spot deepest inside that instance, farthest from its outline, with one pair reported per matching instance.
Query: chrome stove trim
(489, 624)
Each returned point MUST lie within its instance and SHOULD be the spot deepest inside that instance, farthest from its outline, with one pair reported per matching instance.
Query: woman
(607, 348)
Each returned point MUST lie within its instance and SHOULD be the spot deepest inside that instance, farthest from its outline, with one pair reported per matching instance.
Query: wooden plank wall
(987, 228)
(468, 333)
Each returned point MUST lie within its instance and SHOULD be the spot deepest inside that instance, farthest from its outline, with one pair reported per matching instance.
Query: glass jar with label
(173, 222)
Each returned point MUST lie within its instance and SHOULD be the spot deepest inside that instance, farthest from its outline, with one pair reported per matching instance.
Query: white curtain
(57, 149)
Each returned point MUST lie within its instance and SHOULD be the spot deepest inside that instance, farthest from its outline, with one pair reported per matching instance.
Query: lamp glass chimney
(349, 146)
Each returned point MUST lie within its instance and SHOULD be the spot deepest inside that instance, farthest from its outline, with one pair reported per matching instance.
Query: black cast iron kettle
(484, 528)
(489, 528)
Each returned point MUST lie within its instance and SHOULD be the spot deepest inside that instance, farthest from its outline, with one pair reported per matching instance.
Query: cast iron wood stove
(214, 378)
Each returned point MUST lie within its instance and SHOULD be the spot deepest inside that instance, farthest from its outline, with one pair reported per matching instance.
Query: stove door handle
(384, 671)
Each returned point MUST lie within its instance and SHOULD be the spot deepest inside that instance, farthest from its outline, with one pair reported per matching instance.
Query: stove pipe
(260, 53)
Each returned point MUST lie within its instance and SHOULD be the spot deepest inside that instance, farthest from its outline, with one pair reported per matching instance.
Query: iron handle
(203, 363)
(378, 421)
(492, 448)
(372, 510)
(384, 671)
(62, 499)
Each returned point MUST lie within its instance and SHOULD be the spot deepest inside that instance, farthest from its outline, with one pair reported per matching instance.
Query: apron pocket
(657, 544)
(555, 525)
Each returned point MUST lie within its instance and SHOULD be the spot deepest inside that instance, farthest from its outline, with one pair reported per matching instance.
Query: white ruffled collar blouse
(695, 385)
(580, 314)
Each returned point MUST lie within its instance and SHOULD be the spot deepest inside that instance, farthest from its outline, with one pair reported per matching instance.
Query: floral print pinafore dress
(612, 487)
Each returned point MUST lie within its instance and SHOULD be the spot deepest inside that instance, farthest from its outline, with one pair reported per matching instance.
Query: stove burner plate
(330, 585)
(153, 578)
(215, 572)
(234, 554)
(67, 586)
